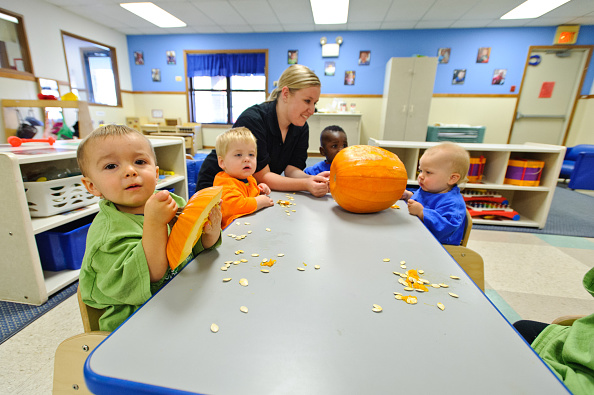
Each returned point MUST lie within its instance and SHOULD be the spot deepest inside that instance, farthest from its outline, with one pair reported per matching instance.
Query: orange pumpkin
(188, 227)
(366, 179)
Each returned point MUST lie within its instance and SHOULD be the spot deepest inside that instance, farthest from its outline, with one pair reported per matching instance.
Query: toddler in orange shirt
(236, 151)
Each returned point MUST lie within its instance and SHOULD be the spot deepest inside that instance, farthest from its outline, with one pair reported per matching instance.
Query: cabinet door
(421, 93)
(397, 86)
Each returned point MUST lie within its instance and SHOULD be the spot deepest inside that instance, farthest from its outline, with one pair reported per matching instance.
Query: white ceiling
(250, 16)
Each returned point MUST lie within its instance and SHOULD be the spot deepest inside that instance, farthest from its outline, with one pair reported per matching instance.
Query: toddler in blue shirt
(332, 140)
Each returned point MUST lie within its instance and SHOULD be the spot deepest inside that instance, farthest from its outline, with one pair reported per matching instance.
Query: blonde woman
(280, 127)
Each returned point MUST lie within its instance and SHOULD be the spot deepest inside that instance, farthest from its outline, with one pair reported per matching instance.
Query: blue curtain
(223, 64)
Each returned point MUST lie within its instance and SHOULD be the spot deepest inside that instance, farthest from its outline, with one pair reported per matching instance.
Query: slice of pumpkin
(188, 227)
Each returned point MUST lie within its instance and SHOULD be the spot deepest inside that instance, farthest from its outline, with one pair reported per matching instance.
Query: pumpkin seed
(238, 223)
(444, 285)
(316, 267)
(231, 235)
(455, 277)
(453, 295)
(398, 296)
(435, 285)
(408, 288)
(243, 282)
(396, 273)
(255, 254)
(224, 268)
(236, 262)
(246, 223)
(243, 260)
(441, 306)
(420, 271)
(243, 309)
(397, 293)
(403, 266)
(403, 282)
(377, 308)
(403, 275)
(238, 238)
(267, 229)
(265, 270)
(410, 299)
(301, 269)
(402, 262)
(280, 255)
(226, 280)
(228, 262)
(386, 259)
(214, 328)
(249, 232)
(265, 260)
(294, 211)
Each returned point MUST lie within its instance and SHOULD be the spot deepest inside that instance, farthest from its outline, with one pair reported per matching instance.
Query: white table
(314, 331)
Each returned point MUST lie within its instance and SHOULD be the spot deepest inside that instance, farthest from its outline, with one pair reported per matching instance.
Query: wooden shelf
(23, 280)
(532, 203)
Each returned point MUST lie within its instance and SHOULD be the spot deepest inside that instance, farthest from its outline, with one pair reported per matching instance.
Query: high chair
(72, 353)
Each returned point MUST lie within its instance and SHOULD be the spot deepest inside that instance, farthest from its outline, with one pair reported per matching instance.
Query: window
(14, 51)
(222, 85)
(92, 70)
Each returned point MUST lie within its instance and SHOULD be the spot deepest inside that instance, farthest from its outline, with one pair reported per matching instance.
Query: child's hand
(406, 195)
(325, 174)
(415, 208)
(212, 227)
(264, 189)
(318, 185)
(264, 201)
(160, 208)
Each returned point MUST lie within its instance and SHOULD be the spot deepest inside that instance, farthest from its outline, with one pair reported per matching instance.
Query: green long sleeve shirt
(114, 274)
(569, 350)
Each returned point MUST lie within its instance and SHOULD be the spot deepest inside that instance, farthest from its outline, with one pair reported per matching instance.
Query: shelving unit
(23, 279)
(533, 203)
(85, 125)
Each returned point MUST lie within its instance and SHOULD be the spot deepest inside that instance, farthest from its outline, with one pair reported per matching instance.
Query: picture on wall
(443, 55)
(138, 58)
(293, 57)
(170, 57)
(364, 58)
(459, 77)
(349, 77)
(156, 74)
(329, 68)
(483, 55)
(498, 76)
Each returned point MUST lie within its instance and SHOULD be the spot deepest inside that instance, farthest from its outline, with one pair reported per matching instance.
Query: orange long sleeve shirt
(239, 198)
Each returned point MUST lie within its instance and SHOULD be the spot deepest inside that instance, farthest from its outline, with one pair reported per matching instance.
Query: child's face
(240, 160)
(435, 174)
(333, 143)
(122, 169)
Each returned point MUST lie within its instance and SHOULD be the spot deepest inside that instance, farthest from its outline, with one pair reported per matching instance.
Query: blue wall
(509, 48)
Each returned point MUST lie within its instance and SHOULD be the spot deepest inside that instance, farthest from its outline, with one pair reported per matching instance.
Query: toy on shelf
(17, 141)
(492, 211)
(475, 171)
(524, 172)
(483, 196)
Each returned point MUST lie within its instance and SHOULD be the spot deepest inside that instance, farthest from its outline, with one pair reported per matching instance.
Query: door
(552, 80)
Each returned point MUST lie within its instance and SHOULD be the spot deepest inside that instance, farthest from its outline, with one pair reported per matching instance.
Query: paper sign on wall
(546, 91)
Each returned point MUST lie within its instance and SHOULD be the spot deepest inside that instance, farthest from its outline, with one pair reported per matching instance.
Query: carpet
(571, 214)
(16, 316)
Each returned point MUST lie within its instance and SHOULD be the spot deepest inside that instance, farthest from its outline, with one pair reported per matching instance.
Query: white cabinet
(23, 280)
(350, 122)
(408, 90)
(532, 203)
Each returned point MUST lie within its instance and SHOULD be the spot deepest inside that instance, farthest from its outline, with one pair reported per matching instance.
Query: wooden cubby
(531, 202)
(23, 280)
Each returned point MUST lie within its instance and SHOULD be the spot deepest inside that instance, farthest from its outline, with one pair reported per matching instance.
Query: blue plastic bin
(63, 247)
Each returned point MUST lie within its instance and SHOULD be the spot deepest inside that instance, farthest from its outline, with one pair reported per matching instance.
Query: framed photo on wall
(349, 77)
(483, 55)
(156, 75)
(498, 76)
(443, 55)
(459, 77)
(364, 58)
(293, 57)
(329, 68)
(170, 57)
(138, 58)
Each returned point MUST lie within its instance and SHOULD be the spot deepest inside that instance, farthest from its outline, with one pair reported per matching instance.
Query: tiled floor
(529, 276)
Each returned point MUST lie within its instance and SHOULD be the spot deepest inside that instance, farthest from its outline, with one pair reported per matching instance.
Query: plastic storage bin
(459, 134)
(63, 247)
(47, 198)
(476, 168)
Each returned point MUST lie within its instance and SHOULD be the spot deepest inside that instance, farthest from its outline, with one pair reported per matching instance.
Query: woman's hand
(318, 186)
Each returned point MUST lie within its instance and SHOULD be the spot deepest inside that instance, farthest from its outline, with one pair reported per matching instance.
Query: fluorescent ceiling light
(153, 14)
(533, 9)
(330, 12)
(8, 18)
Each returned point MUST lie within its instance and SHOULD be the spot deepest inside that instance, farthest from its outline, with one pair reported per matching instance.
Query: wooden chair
(470, 261)
(467, 229)
(567, 320)
(73, 352)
